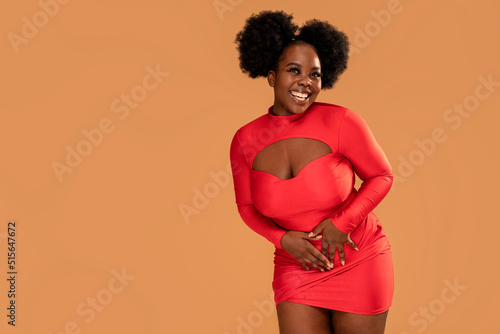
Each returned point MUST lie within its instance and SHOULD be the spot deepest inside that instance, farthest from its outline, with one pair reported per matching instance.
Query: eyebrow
(314, 68)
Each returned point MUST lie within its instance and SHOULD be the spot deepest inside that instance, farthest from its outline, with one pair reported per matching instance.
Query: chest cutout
(285, 158)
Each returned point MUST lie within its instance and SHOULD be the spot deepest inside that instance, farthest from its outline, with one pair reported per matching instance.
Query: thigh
(350, 323)
(295, 318)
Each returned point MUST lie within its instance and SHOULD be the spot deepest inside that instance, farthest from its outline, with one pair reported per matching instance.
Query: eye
(317, 74)
(293, 70)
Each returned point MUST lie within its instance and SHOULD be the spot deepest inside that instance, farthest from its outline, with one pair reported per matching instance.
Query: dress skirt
(364, 285)
(367, 288)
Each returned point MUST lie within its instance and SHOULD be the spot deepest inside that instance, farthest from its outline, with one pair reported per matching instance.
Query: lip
(299, 101)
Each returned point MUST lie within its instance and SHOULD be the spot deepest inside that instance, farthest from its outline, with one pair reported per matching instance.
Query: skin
(299, 69)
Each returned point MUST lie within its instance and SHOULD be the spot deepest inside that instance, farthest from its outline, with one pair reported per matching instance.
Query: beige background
(119, 206)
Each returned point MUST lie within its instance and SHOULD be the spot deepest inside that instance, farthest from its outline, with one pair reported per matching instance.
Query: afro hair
(265, 36)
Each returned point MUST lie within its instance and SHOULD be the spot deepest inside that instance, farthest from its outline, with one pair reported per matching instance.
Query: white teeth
(298, 94)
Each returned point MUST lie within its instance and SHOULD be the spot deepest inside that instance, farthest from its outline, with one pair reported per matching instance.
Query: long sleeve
(359, 146)
(259, 223)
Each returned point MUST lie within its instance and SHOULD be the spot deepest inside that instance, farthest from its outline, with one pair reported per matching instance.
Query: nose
(305, 81)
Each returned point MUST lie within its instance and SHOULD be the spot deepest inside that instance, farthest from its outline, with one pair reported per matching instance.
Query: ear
(271, 76)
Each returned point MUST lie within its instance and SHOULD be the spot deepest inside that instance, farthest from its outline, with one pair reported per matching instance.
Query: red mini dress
(322, 188)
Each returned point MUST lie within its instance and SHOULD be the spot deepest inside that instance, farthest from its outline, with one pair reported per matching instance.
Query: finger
(320, 266)
(310, 237)
(341, 254)
(313, 263)
(320, 258)
(331, 254)
(308, 265)
(316, 230)
(324, 248)
(316, 237)
(351, 243)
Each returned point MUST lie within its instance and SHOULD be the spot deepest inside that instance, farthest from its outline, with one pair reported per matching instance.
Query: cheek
(318, 87)
(284, 89)
(283, 93)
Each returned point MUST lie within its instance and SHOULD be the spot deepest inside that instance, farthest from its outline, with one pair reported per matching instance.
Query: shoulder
(330, 110)
(329, 107)
(252, 128)
(259, 121)
(330, 113)
(246, 134)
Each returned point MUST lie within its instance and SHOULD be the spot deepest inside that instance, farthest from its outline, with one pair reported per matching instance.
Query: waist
(307, 220)
(369, 236)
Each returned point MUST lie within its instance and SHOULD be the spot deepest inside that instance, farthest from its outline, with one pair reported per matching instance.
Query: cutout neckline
(300, 171)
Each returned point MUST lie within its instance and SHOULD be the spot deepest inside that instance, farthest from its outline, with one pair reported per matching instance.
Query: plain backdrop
(116, 121)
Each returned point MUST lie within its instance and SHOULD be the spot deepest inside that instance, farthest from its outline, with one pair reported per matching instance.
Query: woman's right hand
(297, 244)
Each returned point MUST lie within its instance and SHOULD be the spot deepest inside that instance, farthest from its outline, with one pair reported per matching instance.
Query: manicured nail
(310, 235)
(343, 262)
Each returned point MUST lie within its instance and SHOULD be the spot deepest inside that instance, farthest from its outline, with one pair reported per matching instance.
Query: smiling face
(297, 81)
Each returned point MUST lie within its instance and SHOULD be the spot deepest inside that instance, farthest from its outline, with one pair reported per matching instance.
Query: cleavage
(285, 158)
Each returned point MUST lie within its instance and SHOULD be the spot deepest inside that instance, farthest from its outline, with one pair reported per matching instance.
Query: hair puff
(262, 41)
(332, 47)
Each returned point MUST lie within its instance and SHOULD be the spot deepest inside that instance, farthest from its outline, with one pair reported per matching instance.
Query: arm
(359, 146)
(250, 215)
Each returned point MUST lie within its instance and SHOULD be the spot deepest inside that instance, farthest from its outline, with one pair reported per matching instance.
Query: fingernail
(356, 248)
(322, 270)
(343, 262)
(310, 235)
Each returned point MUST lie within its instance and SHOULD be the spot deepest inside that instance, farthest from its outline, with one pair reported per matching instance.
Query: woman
(293, 172)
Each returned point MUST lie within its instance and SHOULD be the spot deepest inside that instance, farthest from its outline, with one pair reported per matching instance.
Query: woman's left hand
(332, 238)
